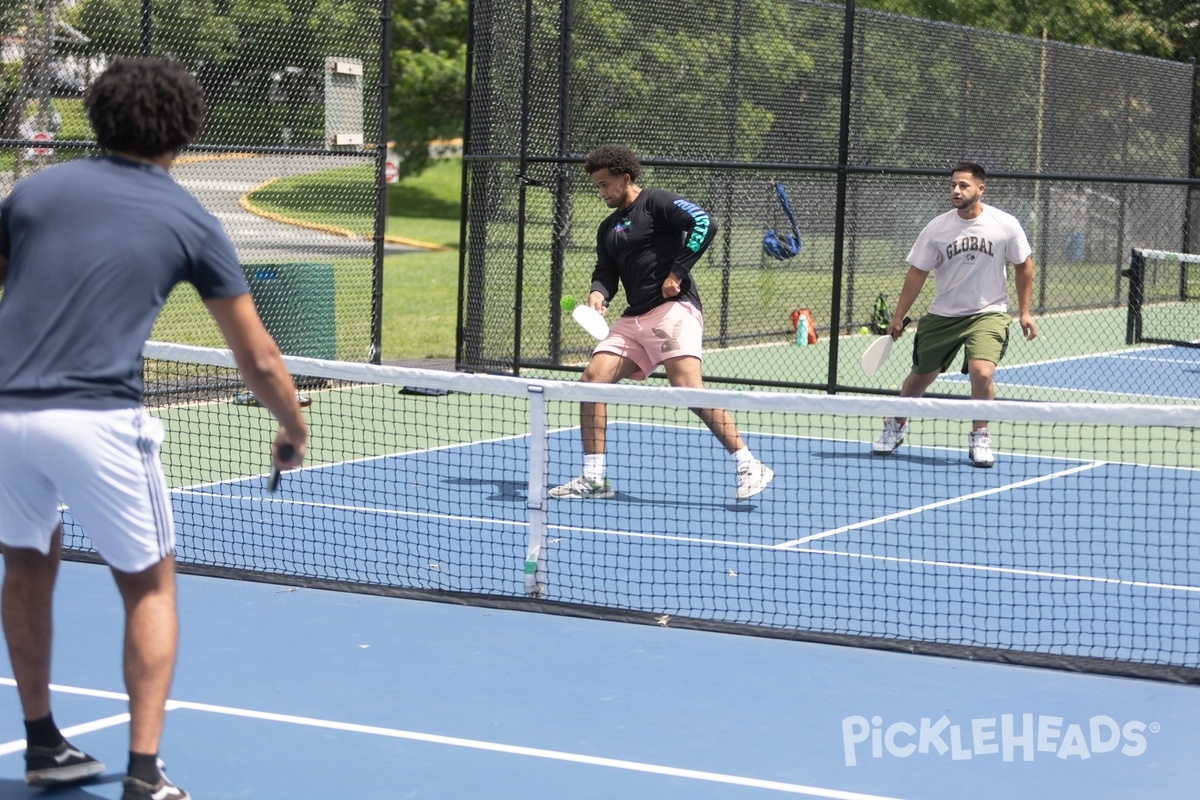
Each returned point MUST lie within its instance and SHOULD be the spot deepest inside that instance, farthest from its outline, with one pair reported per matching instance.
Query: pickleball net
(1164, 298)
(1080, 549)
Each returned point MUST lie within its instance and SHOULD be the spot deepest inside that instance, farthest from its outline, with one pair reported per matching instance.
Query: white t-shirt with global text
(969, 259)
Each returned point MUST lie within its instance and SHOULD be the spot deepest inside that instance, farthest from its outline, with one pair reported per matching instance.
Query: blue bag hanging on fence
(783, 246)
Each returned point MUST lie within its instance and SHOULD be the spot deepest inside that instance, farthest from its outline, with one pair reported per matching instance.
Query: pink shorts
(668, 331)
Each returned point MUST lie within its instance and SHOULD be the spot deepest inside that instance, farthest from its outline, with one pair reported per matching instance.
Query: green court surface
(1061, 336)
(215, 439)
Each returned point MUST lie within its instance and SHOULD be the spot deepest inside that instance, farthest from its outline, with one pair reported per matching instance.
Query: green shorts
(938, 340)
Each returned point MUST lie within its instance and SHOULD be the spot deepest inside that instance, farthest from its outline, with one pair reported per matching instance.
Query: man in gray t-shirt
(89, 252)
(95, 246)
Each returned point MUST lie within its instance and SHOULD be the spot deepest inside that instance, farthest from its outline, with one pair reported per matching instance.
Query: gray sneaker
(584, 488)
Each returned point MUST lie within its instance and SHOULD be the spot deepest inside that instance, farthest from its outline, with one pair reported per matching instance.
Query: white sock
(743, 456)
(594, 467)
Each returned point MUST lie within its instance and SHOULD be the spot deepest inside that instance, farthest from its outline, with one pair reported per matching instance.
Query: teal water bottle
(802, 330)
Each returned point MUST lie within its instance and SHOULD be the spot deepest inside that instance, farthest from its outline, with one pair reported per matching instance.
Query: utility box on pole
(343, 103)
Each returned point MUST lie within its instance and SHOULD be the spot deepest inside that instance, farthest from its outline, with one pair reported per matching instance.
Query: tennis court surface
(1075, 552)
(293, 692)
(1166, 372)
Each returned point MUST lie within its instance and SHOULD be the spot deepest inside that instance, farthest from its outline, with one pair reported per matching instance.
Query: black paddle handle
(286, 451)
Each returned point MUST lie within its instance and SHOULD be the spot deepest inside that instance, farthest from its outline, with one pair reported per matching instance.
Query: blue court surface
(290, 692)
(1069, 555)
(1166, 372)
(300, 693)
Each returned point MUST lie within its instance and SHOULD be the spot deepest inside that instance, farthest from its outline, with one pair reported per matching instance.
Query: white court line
(391, 512)
(473, 744)
(18, 745)
(1081, 356)
(941, 503)
(1157, 360)
(792, 547)
(362, 460)
(1032, 573)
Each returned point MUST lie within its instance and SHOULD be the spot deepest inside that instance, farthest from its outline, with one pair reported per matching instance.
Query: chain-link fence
(290, 158)
(859, 115)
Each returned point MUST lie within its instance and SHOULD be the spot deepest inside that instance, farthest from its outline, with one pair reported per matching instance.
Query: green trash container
(295, 302)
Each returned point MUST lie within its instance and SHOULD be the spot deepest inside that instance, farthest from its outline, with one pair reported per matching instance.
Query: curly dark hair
(146, 107)
(616, 158)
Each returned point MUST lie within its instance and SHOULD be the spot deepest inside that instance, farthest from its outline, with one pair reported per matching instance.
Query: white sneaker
(584, 488)
(891, 438)
(752, 478)
(979, 448)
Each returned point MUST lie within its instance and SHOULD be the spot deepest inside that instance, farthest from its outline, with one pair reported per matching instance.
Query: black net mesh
(287, 159)
(1076, 548)
(1088, 148)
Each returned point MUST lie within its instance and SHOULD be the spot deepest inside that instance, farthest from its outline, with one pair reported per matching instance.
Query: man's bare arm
(913, 282)
(1023, 275)
(263, 370)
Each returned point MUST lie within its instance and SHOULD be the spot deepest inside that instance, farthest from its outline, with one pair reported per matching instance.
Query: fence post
(472, 264)
(731, 105)
(381, 190)
(561, 231)
(1188, 222)
(147, 27)
(839, 231)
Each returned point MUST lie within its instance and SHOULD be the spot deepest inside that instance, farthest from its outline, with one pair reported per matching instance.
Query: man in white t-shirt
(968, 250)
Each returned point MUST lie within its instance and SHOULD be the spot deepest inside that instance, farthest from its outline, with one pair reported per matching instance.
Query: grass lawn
(420, 305)
(420, 290)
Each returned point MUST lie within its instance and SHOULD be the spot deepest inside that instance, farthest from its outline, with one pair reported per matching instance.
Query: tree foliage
(641, 64)
(267, 56)
(262, 61)
(1148, 27)
(428, 77)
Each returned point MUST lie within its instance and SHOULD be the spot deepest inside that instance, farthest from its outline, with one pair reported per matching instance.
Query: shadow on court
(10, 788)
(901, 456)
(503, 491)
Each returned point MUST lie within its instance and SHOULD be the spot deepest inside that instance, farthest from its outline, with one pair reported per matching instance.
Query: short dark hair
(616, 158)
(144, 106)
(977, 171)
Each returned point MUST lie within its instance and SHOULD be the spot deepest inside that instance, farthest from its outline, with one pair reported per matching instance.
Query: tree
(189, 31)
(428, 78)
(650, 78)
(1145, 27)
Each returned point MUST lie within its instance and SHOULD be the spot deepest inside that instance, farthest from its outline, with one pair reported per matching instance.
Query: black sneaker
(163, 790)
(55, 766)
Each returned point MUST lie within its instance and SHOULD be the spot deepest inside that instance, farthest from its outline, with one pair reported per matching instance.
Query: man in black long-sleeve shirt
(649, 245)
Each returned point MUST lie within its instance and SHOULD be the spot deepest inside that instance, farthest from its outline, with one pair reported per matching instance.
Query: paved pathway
(219, 184)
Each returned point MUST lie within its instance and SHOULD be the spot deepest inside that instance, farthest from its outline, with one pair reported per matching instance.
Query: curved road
(219, 183)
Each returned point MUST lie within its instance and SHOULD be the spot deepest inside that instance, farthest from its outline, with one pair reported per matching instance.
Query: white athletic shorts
(104, 465)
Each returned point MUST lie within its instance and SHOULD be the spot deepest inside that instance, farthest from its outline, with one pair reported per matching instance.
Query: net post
(536, 499)
(1137, 276)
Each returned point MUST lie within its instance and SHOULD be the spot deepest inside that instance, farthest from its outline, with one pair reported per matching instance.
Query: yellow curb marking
(248, 205)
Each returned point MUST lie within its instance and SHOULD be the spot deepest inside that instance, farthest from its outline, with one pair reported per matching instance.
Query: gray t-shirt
(94, 247)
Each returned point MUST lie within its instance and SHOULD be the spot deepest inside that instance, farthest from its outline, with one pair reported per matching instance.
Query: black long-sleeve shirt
(659, 233)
